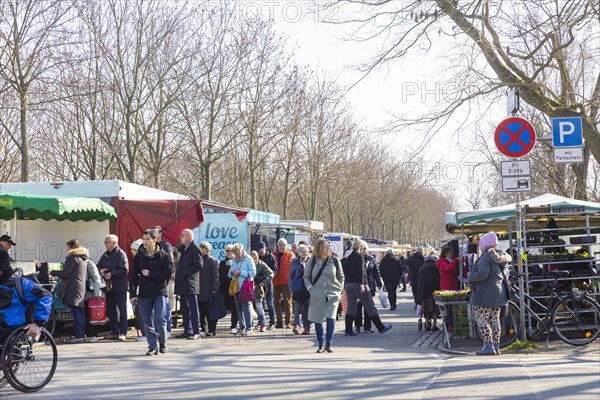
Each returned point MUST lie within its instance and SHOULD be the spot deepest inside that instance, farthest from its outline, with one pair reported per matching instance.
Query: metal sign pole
(519, 235)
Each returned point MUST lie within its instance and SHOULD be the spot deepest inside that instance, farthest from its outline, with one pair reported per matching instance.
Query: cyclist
(14, 312)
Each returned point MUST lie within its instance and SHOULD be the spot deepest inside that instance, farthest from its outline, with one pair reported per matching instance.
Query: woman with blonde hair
(242, 268)
(324, 279)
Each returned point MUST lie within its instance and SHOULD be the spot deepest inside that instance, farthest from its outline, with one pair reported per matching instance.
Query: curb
(453, 352)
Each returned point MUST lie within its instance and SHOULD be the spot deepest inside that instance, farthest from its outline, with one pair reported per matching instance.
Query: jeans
(79, 320)
(244, 314)
(169, 313)
(154, 314)
(190, 313)
(269, 304)
(328, 337)
(301, 308)
(258, 303)
(116, 308)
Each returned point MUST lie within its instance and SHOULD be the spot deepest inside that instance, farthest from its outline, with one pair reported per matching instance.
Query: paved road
(286, 366)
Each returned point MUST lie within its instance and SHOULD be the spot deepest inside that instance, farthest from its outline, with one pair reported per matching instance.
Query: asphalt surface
(280, 365)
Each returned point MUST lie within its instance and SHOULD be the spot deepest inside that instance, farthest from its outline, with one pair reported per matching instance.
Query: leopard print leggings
(488, 321)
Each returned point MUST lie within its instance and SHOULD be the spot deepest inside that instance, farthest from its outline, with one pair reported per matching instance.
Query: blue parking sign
(567, 132)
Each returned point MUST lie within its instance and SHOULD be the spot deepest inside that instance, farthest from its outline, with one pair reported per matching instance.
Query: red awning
(134, 216)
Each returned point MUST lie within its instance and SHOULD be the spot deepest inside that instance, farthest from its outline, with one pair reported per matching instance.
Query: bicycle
(27, 364)
(573, 316)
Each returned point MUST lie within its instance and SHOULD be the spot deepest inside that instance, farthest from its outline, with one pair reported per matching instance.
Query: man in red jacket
(281, 284)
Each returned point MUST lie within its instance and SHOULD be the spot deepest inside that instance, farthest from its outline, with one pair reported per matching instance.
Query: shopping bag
(234, 287)
(216, 307)
(97, 310)
(383, 299)
(246, 292)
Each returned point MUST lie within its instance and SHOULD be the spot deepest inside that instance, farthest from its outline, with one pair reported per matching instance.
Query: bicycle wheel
(576, 322)
(509, 323)
(28, 364)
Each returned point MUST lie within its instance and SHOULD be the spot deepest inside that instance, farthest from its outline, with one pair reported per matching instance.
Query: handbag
(246, 292)
(510, 292)
(234, 287)
(299, 291)
(97, 310)
(62, 288)
(216, 307)
(303, 295)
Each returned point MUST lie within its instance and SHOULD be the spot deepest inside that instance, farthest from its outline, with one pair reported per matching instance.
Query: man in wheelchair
(32, 308)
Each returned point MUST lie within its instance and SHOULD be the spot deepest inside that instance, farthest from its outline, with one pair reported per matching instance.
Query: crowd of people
(295, 288)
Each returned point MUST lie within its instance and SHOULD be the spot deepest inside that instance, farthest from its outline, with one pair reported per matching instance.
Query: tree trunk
(24, 146)
(207, 192)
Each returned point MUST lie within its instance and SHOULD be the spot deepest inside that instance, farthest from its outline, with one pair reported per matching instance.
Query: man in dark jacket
(414, 262)
(391, 271)
(113, 266)
(269, 301)
(166, 246)
(187, 285)
(150, 274)
(209, 286)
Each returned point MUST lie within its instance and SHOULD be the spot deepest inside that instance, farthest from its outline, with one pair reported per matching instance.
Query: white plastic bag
(419, 311)
(383, 299)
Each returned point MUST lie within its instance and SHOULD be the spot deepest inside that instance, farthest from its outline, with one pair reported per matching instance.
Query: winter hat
(260, 246)
(488, 241)
(390, 251)
(136, 245)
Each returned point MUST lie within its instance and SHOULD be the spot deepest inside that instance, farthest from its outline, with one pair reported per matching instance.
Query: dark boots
(349, 320)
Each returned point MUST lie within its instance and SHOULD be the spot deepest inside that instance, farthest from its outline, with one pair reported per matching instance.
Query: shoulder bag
(303, 295)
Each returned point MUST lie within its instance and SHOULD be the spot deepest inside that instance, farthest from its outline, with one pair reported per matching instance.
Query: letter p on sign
(567, 132)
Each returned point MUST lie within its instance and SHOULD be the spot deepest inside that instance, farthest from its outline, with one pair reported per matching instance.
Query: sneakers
(248, 332)
(270, 327)
(202, 334)
(152, 352)
(385, 329)
(350, 334)
(163, 349)
(306, 331)
(328, 348)
(296, 330)
(288, 326)
(168, 334)
(195, 336)
(184, 335)
(93, 339)
(75, 340)
(122, 338)
(234, 331)
(262, 328)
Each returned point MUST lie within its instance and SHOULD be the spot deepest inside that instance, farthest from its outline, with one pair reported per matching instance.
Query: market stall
(560, 234)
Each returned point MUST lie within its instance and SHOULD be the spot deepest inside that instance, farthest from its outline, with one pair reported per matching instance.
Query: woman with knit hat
(488, 294)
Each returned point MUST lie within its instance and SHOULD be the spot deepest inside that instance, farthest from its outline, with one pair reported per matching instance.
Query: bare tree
(31, 34)
(541, 47)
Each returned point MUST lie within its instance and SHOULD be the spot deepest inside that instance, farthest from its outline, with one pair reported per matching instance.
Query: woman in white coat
(324, 279)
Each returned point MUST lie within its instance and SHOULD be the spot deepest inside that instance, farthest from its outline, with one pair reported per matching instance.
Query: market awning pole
(520, 264)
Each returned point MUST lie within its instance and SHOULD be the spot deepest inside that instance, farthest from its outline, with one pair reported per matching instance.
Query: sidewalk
(468, 346)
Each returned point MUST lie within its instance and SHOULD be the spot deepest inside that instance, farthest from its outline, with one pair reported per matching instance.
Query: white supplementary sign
(516, 184)
(567, 155)
(515, 168)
